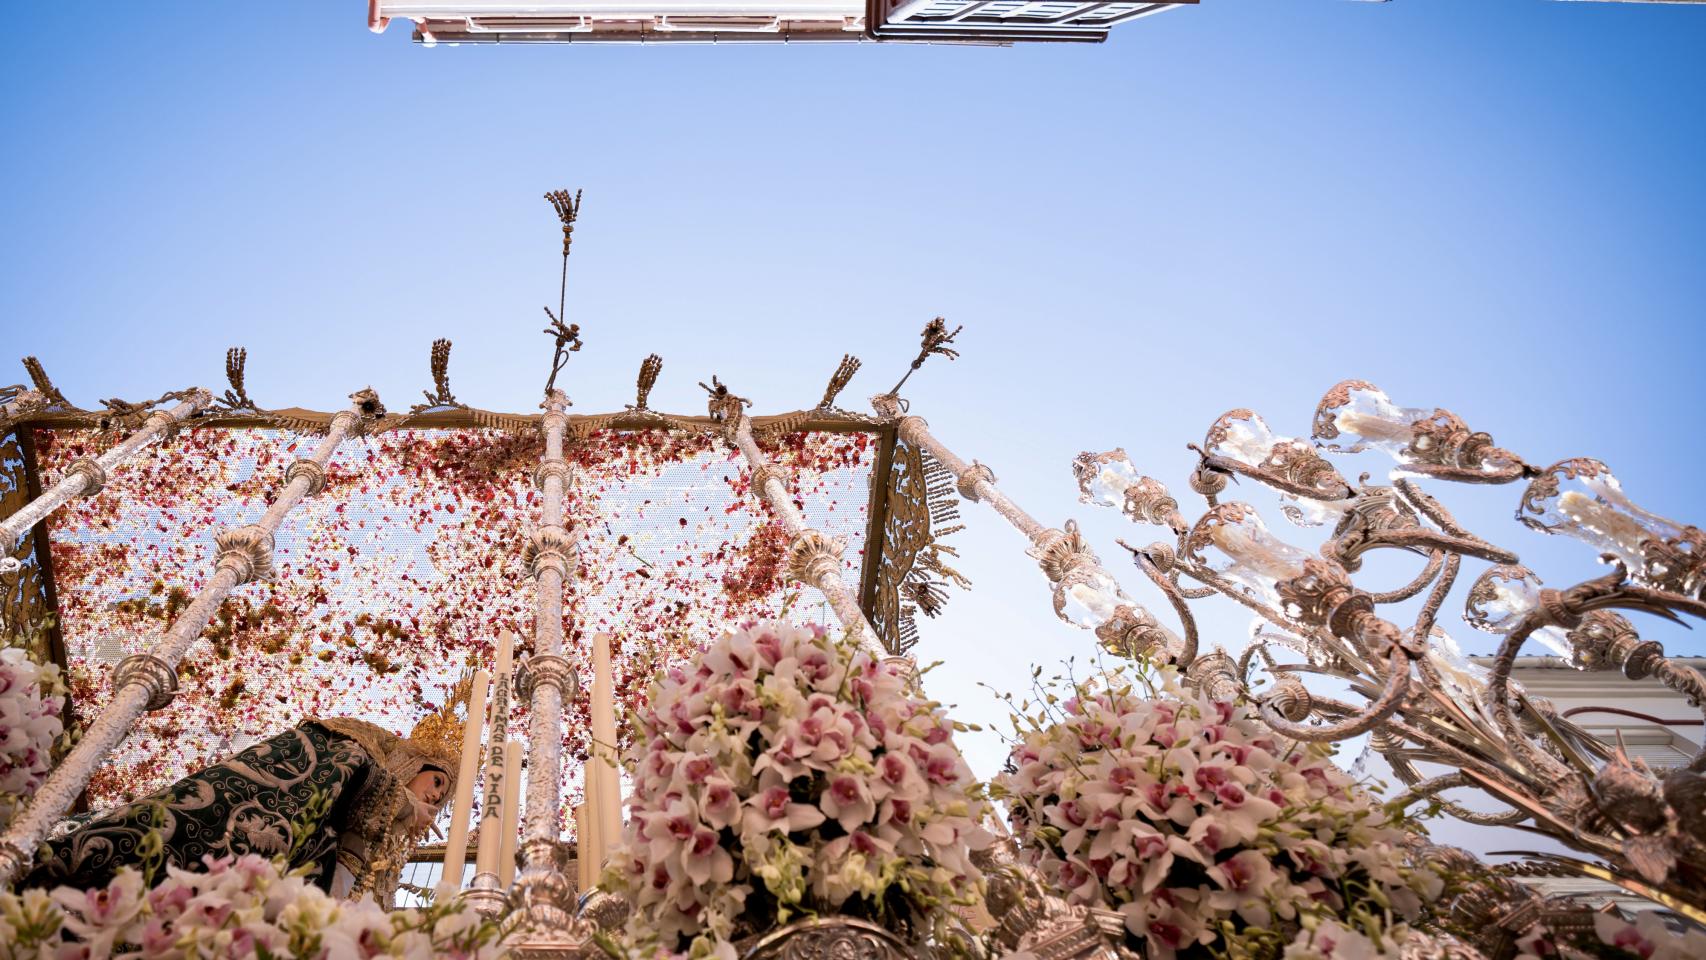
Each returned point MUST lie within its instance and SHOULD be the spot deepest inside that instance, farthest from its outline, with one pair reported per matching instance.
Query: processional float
(148, 681)
(1421, 701)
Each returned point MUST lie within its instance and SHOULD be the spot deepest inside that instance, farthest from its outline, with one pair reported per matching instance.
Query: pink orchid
(848, 801)
(718, 803)
(774, 810)
(706, 861)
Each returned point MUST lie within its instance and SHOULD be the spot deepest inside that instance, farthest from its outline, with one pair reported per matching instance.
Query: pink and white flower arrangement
(1331, 940)
(237, 908)
(784, 774)
(32, 700)
(1196, 822)
(1646, 937)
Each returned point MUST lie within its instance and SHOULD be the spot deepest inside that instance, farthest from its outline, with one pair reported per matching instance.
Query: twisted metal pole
(87, 475)
(543, 890)
(813, 557)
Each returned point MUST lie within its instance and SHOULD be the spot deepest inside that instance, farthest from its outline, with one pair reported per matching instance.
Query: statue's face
(430, 786)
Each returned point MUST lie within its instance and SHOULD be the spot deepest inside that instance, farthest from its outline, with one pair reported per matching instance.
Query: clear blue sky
(1495, 207)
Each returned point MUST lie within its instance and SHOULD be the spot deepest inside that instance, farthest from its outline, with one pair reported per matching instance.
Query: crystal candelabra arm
(1155, 561)
(1498, 599)
(1109, 480)
(1387, 518)
(1423, 540)
(1568, 609)
(1431, 788)
(1323, 596)
(1581, 498)
(1355, 415)
(1231, 542)
(146, 681)
(1607, 641)
(1429, 611)
(1240, 442)
(1436, 562)
(1215, 584)
(1383, 707)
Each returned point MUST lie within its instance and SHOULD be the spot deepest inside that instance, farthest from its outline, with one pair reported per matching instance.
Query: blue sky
(1494, 207)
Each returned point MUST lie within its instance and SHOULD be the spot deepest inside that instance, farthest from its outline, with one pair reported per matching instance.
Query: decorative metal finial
(368, 400)
(838, 380)
(237, 397)
(567, 336)
(441, 395)
(44, 385)
(936, 338)
(723, 404)
(567, 210)
(649, 370)
(568, 340)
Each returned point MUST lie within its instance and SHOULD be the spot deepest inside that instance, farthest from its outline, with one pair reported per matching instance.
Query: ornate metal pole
(543, 890)
(149, 681)
(1085, 594)
(813, 558)
(87, 475)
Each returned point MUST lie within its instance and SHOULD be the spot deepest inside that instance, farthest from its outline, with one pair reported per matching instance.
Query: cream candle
(491, 808)
(604, 795)
(512, 802)
(456, 847)
(581, 840)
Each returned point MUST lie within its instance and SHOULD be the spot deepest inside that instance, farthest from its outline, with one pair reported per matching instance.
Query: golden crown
(439, 734)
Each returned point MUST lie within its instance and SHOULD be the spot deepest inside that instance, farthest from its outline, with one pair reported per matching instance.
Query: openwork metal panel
(409, 564)
(909, 576)
(26, 597)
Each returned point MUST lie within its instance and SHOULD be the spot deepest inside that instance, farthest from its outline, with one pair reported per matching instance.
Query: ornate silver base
(554, 945)
(485, 895)
(842, 938)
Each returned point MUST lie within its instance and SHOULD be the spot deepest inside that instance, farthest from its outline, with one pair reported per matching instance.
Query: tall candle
(604, 796)
(1394, 428)
(456, 848)
(512, 804)
(1615, 530)
(491, 810)
(581, 843)
(506, 653)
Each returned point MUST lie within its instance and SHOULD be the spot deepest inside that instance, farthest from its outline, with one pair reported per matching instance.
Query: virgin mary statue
(347, 799)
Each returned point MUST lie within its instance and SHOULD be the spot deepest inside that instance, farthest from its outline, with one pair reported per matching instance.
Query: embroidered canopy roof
(403, 571)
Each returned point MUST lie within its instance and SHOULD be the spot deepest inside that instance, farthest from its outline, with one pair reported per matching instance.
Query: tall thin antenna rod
(567, 336)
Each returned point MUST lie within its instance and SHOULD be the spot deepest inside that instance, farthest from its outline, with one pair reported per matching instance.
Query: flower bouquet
(782, 776)
(1209, 835)
(241, 907)
(1646, 937)
(32, 699)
